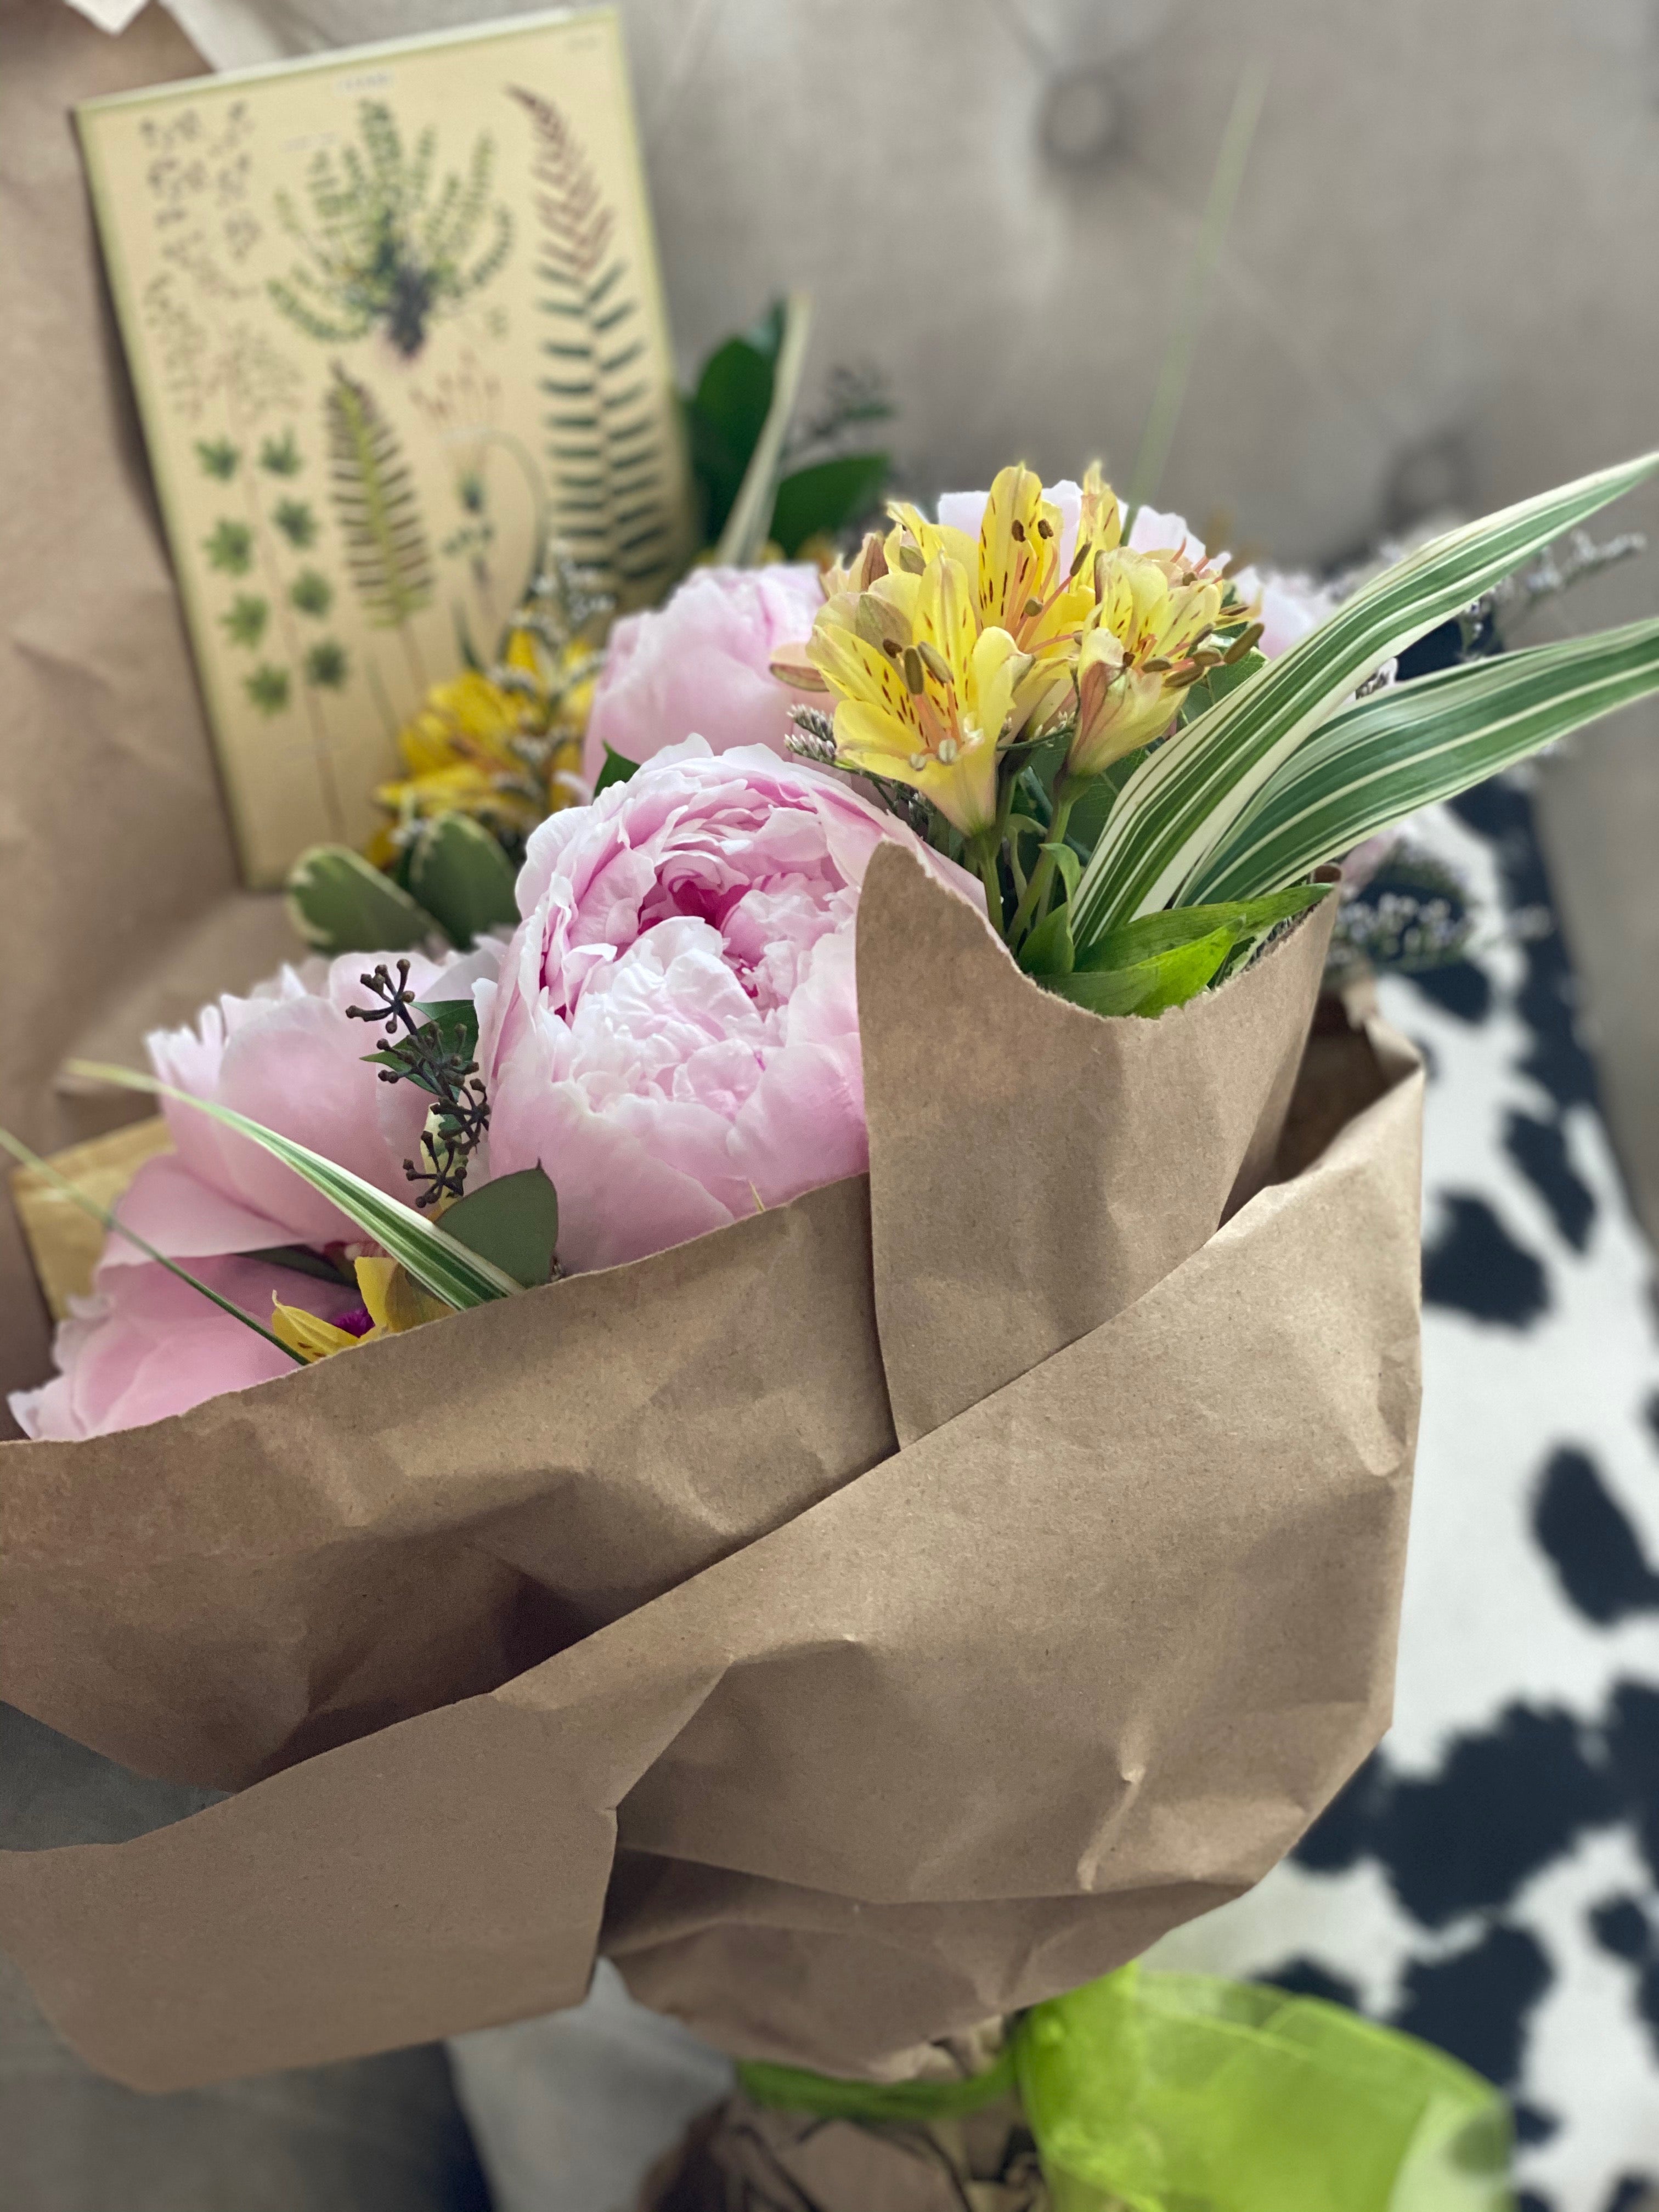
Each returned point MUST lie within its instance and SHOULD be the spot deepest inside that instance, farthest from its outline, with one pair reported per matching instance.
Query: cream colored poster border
(389, 313)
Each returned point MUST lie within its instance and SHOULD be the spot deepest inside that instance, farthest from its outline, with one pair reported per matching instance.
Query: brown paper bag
(117, 884)
(868, 1618)
(745, 2158)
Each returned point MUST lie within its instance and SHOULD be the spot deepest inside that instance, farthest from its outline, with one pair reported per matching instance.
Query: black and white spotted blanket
(1491, 1878)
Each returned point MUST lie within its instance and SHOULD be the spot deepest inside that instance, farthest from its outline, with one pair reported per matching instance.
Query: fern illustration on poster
(384, 245)
(391, 314)
(605, 440)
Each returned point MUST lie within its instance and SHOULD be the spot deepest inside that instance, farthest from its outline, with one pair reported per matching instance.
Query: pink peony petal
(701, 664)
(146, 1345)
(674, 1035)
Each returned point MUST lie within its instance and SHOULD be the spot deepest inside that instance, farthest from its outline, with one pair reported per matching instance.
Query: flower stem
(985, 855)
(1034, 904)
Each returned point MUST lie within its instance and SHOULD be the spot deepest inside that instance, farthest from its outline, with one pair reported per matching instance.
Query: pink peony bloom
(1291, 606)
(287, 1056)
(699, 666)
(146, 1345)
(674, 1035)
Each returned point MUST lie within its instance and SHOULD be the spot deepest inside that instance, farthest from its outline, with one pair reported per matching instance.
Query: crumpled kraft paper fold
(870, 1617)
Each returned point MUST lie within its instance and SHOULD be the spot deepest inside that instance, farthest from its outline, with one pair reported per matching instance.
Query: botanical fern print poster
(392, 315)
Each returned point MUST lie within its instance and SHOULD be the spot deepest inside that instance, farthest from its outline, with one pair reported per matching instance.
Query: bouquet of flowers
(896, 1491)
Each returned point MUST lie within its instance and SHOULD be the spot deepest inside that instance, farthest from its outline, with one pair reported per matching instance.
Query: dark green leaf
(302, 1260)
(827, 498)
(450, 1032)
(339, 903)
(766, 334)
(616, 769)
(456, 1021)
(514, 1221)
(459, 873)
(1089, 814)
(724, 419)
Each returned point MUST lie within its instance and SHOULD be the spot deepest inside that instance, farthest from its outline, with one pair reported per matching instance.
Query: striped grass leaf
(1420, 742)
(1188, 795)
(20, 1153)
(440, 1264)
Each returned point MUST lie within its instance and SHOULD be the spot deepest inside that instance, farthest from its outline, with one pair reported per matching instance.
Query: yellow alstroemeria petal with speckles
(925, 693)
(306, 1335)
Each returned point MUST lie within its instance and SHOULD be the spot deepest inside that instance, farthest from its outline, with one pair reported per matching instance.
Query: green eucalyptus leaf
(1048, 950)
(827, 498)
(458, 872)
(451, 1026)
(456, 1021)
(340, 903)
(514, 1221)
(616, 769)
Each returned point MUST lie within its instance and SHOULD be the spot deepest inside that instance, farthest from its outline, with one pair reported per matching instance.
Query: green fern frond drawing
(229, 548)
(280, 457)
(297, 520)
(218, 458)
(380, 254)
(375, 499)
(613, 484)
(244, 622)
(267, 688)
(328, 664)
(311, 592)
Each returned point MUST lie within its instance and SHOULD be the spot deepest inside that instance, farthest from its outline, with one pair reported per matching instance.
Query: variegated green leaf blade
(439, 1263)
(1406, 747)
(1188, 795)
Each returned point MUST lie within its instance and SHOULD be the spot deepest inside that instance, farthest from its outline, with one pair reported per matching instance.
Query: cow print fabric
(1490, 1878)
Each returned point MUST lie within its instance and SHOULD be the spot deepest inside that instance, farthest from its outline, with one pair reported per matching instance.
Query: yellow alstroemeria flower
(393, 1302)
(1021, 586)
(1150, 637)
(925, 692)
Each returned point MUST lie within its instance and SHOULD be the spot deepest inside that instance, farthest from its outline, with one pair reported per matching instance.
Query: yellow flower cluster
(943, 653)
(505, 748)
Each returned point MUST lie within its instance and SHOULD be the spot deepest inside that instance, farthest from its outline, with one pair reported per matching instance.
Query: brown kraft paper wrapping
(870, 1617)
